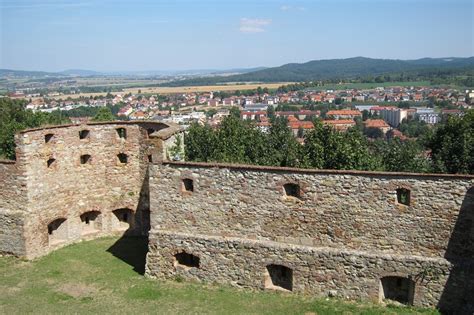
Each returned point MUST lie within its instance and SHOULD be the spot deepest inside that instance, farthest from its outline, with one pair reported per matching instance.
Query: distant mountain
(239, 70)
(21, 73)
(337, 68)
(193, 72)
(158, 73)
(293, 72)
(80, 73)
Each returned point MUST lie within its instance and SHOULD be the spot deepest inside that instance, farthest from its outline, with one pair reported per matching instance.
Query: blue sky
(118, 35)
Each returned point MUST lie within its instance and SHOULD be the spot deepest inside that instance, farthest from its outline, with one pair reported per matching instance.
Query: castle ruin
(349, 234)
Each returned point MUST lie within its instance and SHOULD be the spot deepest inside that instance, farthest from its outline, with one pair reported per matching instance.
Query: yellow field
(182, 89)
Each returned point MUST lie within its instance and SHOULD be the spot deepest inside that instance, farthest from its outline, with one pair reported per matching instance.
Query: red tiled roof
(382, 107)
(346, 112)
(301, 124)
(375, 123)
(339, 122)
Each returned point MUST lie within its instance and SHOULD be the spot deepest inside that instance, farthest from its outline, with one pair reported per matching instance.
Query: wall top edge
(315, 171)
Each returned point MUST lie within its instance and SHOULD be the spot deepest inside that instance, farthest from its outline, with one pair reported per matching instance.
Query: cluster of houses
(184, 108)
(388, 117)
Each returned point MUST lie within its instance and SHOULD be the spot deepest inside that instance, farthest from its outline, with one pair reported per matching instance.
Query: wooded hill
(351, 68)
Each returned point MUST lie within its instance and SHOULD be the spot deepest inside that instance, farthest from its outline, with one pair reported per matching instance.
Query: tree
(104, 114)
(300, 133)
(414, 128)
(200, 143)
(283, 149)
(403, 105)
(232, 141)
(211, 112)
(401, 156)
(177, 150)
(329, 149)
(452, 145)
(270, 112)
(365, 115)
(235, 112)
(373, 132)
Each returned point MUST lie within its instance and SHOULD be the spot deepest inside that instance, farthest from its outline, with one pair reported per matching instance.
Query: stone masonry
(68, 183)
(344, 233)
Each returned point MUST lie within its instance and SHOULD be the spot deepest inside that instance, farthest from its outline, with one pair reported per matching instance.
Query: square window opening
(51, 162)
(49, 138)
(123, 158)
(187, 185)
(122, 133)
(279, 277)
(403, 196)
(84, 134)
(86, 159)
(398, 289)
(292, 190)
(187, 260)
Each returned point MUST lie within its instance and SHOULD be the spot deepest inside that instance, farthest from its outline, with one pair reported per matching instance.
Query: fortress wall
(12, 208)
(68, 189)
(316, 271)
(346, 235)
(351, 210)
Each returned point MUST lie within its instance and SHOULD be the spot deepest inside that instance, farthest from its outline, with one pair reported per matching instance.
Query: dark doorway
(398, 289)
(279, 277)
(187, 260)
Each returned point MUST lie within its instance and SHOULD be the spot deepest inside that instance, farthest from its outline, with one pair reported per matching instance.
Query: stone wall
(342, 232)
(319, 271)
(12, 208)
(85, 181)
(354, 210)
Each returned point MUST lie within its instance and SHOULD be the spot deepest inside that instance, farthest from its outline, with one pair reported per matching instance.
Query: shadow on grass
(132, 250)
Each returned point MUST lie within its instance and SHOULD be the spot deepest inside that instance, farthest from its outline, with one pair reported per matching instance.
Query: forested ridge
(359, 69)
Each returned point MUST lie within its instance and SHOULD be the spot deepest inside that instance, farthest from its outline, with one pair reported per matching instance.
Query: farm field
(105, 276)
(181, 89)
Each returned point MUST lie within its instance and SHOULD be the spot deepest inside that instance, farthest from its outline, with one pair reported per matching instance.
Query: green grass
(105, 276)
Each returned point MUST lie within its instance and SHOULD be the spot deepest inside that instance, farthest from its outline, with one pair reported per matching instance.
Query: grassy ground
(105, 276)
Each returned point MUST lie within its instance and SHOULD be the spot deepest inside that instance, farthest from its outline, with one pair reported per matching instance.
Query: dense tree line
(236, 141)
(91, 111)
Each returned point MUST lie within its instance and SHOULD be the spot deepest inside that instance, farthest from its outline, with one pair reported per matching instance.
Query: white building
(427, 115)
(393, 116)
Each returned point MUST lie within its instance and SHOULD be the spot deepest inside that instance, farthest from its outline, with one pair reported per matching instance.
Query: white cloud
(254, 25)
(292, 8)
